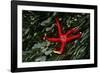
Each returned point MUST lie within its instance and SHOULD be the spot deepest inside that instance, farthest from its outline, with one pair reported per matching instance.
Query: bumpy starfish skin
(63, 38)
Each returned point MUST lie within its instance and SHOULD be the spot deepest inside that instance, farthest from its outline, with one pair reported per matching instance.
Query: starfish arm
(53, 39)
(60, 50)
(73, 37)
(62, 47)
(73, 30)
(58, 26)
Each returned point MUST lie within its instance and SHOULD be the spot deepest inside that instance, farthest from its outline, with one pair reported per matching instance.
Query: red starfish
(63, 38)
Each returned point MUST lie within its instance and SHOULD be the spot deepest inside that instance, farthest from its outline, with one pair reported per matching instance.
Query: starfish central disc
(63, 38)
